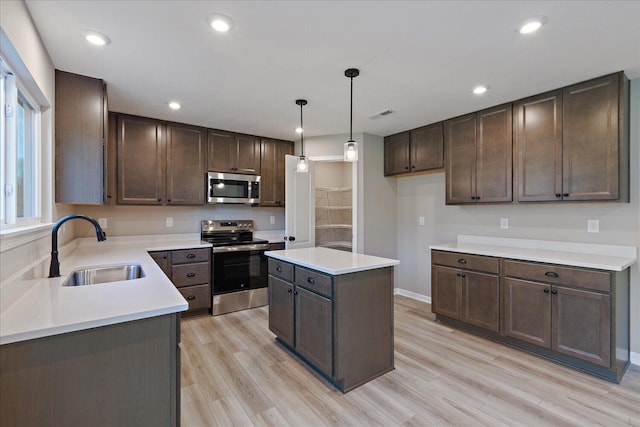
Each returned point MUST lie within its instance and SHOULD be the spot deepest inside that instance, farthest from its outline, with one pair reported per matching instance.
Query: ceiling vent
(381, 114)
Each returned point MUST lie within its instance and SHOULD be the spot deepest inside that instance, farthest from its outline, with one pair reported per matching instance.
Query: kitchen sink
(104, 274)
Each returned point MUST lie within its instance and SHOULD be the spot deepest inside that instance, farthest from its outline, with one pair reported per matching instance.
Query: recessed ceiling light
(219, 22)
(96, 38)
(532, 25)
(298, 129)
(175, 105)
(479, 90)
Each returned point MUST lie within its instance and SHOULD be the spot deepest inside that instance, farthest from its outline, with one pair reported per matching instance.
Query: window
(19, 153)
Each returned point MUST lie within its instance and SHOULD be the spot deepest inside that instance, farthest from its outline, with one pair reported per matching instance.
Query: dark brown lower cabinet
(127, 374)
(341, 326)
(576, 316)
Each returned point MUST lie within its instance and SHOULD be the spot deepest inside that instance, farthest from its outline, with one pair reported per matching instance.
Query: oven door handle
(241, 248)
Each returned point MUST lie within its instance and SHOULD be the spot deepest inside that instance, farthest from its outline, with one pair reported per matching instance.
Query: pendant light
(351, 147)
(302, 166)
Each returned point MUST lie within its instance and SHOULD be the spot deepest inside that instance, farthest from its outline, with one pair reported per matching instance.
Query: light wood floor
(234, 374)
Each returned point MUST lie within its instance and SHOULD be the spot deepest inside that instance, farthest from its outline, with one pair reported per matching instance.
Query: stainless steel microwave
(232, 188)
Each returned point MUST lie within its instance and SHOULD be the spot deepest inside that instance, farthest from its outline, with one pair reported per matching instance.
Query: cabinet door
(163, 259)
(460, 159)
(221, 151)
(185, 165)
(494, 155)
(141, 161)
(446, 291)
(538, 147)
(314, 329)
(396, 154)
(581, 325)
(272, 158)
(281, 309)
(427, 148)
(80, 138)
(481, 300)
(590, 140)
(248, 155)
(527, 311)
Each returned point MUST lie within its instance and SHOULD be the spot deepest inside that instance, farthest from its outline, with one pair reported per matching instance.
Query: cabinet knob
(551, 274)
(554, 292)
(295, 293)
(108, 196)
(546, 290)
(191, 255)
(191, 297)
(406, 167)
(565, 195)
(558, 195)
(462, 261)
(413, 167)
(311, 281)
(191, 274)
(279, 269)
(168, 200)
(289, 290)
(292, 238)
(159, 199)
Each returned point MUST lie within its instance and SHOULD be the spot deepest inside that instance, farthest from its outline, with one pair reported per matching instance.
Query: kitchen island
(334, 310)
(103, 354)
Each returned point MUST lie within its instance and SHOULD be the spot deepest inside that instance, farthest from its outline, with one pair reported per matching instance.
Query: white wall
(31, 62)
(424, 195)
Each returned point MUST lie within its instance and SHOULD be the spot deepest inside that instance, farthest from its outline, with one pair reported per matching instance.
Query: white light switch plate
(169, 221)
(102, 222)
(420, 220)
(593, 226)
(504, 223)
(272, 219)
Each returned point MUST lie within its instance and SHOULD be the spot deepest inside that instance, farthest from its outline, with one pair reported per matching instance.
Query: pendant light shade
(351, 147)
(302, 165)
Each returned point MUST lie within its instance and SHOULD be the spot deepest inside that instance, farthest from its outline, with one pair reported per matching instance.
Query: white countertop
(40, 307)
(273, 236)
(602, 257)
(332, 261)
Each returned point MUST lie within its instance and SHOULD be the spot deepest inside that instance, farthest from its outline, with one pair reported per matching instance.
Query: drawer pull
(191, 297)
(311, 281)
(462, 261)
(558, 195)
(551, 274)
(191, 255)
(554, 292)
(463, 275)
(191, 274)
(546, 290)
(279, 269)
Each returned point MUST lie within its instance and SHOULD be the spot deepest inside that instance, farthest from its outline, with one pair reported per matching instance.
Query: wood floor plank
(235, 374)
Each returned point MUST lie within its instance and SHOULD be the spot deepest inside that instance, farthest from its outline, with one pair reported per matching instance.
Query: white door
(299, 210)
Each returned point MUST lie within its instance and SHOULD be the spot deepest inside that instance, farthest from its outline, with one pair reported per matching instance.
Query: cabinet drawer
(281, 269)
(184, 256)
(314, 281)
(549, 273)
(190, 274)
(198, 296)
(466, 261)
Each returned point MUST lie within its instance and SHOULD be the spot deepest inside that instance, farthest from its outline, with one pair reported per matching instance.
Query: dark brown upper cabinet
(272, 165)
(80, 135)
(158, 163)
(233, 153)
(478, 157)
(572, 144)
(412, 151)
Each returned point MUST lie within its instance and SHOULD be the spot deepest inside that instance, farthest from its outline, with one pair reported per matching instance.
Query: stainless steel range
(239, 266)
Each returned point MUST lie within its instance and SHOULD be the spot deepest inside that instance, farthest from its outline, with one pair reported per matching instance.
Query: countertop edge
(334, 272)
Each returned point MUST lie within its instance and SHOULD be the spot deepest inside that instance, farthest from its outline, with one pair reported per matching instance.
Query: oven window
(237, 271)
(228, 188)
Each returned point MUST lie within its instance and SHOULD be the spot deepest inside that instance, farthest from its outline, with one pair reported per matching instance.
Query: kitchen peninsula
(334, 309)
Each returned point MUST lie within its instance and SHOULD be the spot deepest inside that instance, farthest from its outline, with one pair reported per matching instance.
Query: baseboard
(412, 295)
(635, 359)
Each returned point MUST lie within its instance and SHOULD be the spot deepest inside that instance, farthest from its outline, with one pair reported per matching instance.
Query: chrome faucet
(54, 267)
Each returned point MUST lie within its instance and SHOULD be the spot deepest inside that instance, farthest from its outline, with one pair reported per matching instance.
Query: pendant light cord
(301, 133)
(351, 114)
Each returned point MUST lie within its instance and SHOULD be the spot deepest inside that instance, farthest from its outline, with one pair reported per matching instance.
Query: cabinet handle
(279, 269)
(554, 292)
(295, 292)
(546, 290)
(551, 274)
(462, 261)
(289, 290)
(168, 200)
(406, 167)
(159, 199)
(413, 167)
(311, 281)
(565, 195)
(164, 257)
(108, 196)
(458, 274)
(191, 274)
(191, 255)
(463, 275)
(558, 195)
(191, 297)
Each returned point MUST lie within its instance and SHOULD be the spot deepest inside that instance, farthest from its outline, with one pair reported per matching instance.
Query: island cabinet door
(281, 309)
(527, 311)
(314, 329)
(446, 291)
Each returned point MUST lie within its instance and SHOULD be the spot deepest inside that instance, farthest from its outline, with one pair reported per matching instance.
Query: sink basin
(104, 274)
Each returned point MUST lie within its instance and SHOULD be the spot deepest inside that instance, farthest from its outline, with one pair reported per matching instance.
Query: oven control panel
(210, 225)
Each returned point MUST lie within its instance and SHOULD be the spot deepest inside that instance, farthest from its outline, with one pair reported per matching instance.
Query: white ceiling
(418, 58)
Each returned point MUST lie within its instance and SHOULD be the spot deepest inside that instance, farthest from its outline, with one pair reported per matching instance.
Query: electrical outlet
(169, 221)
(102, 222)
(272, 219)
(593, 226)
(504, 223)
(420, 220)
